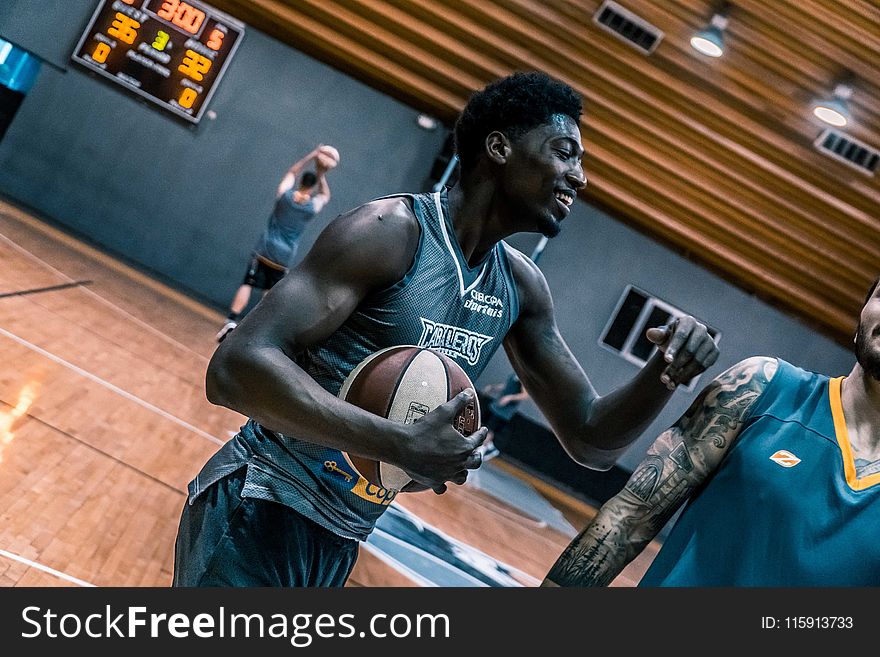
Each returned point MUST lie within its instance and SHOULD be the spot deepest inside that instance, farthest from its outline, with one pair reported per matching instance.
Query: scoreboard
(169, 51)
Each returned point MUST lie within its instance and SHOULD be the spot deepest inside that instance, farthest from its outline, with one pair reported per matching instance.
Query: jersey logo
(453, 341)
(488, 304)
(785, 458)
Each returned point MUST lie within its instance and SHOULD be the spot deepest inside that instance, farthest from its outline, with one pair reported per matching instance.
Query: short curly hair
(514, 105)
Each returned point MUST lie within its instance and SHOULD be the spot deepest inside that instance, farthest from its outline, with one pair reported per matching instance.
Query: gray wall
(105, 164)
(591, 262)
(188, 202)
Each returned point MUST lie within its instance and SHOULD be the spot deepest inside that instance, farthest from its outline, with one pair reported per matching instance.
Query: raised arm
(595, 430)
(289, 178)
(254, 370)
(323, 196)
(677, 463)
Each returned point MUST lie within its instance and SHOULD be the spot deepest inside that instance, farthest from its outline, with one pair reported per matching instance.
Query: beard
(548, 226)
(868, 359)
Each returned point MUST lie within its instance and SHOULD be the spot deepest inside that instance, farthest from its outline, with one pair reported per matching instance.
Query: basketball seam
(400, 377)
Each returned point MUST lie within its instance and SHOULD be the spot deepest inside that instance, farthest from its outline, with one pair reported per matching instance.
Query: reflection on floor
(431, 558)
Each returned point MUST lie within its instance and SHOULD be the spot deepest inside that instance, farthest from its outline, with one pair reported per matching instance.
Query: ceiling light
(835, 111)
(710, 41)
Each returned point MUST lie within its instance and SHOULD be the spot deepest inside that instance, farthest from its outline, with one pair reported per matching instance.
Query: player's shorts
(225, 539)
(262, 273)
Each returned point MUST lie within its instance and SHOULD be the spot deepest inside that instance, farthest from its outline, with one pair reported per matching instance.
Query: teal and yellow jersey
(441, 303)
(785, 507)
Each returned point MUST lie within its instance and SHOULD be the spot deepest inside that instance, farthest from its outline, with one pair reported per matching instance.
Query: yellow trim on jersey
(849, 464)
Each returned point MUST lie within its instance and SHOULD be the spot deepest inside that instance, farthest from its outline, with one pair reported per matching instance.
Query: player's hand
(687, 347)
(436, 453)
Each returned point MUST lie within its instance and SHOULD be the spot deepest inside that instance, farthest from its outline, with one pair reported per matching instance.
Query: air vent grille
(849, 151)
(628, 27)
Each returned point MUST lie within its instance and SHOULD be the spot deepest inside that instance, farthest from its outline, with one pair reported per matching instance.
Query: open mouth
(564, 200)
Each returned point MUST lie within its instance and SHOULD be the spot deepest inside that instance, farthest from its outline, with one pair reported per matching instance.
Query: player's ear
(497, 147)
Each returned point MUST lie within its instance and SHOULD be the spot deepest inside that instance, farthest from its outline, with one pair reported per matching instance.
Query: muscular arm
(593, 429)
(677, 463)
(254, 371)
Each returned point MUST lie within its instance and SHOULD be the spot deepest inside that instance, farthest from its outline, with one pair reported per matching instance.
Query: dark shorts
(227, 540)
(261, 275)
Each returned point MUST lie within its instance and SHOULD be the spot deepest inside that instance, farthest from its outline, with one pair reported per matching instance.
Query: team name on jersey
(487, 304)
(453, 341)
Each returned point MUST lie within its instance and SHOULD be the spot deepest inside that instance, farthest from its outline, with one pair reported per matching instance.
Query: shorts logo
(785, 458)
(453, 341)
(373, 493)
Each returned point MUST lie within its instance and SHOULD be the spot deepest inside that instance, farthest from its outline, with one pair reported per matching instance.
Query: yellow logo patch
(373, 493)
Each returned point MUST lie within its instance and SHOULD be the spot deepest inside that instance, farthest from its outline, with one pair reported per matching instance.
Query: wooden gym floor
(103, 421)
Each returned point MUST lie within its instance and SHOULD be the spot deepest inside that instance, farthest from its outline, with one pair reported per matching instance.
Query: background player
(293, 210)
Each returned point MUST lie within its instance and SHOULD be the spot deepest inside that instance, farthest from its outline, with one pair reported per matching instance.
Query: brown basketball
(403, 384)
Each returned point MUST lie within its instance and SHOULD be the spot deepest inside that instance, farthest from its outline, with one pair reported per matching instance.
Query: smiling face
(868, 336)
(543, 174)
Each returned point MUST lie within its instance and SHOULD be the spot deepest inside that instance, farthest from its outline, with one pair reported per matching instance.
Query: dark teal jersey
(289, 219)
(441, 303)
(785, 507)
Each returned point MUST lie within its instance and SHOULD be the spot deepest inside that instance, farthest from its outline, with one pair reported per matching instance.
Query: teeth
(565, 198)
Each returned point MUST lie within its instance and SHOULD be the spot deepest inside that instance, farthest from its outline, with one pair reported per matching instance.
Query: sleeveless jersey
(288, 221)
(785, 507)
(441, 303)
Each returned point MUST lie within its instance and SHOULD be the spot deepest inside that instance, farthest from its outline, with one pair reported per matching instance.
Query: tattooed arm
(678, 462)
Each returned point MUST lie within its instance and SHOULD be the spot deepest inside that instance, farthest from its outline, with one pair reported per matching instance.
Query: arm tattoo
(680, 459)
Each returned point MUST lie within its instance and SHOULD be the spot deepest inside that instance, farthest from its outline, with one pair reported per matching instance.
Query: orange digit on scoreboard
(215, 40)
(168, 10)
(195, 65)
(100, 53)
(124, 28)
(187, 98)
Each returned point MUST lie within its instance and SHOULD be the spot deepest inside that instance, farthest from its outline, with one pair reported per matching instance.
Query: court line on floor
(112, 305)
(123, 347)
(46, 569)
(40, 290)
(106, 384)
(97, 450)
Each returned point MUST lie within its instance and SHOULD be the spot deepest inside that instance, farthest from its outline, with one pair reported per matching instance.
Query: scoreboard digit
(172, 52)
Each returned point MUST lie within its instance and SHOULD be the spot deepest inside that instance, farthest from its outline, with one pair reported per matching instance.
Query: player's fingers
(475, 460)
(460, 477)
(707, 351)
(681, 333)
(686, 373)
(658, 334)
(478, 437)
(457, 404)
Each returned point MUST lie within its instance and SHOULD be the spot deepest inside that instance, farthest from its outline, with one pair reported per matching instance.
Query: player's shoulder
(746, 380)
(388, 220)
(530, 282)
(378, 240)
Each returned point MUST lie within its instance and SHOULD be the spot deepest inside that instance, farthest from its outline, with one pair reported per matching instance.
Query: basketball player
(279, 505)
(294, 209)
(782, 468)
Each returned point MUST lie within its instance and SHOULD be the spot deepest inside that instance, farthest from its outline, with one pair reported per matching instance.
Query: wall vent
(628, 27)
(636, 312)
(836, 144)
